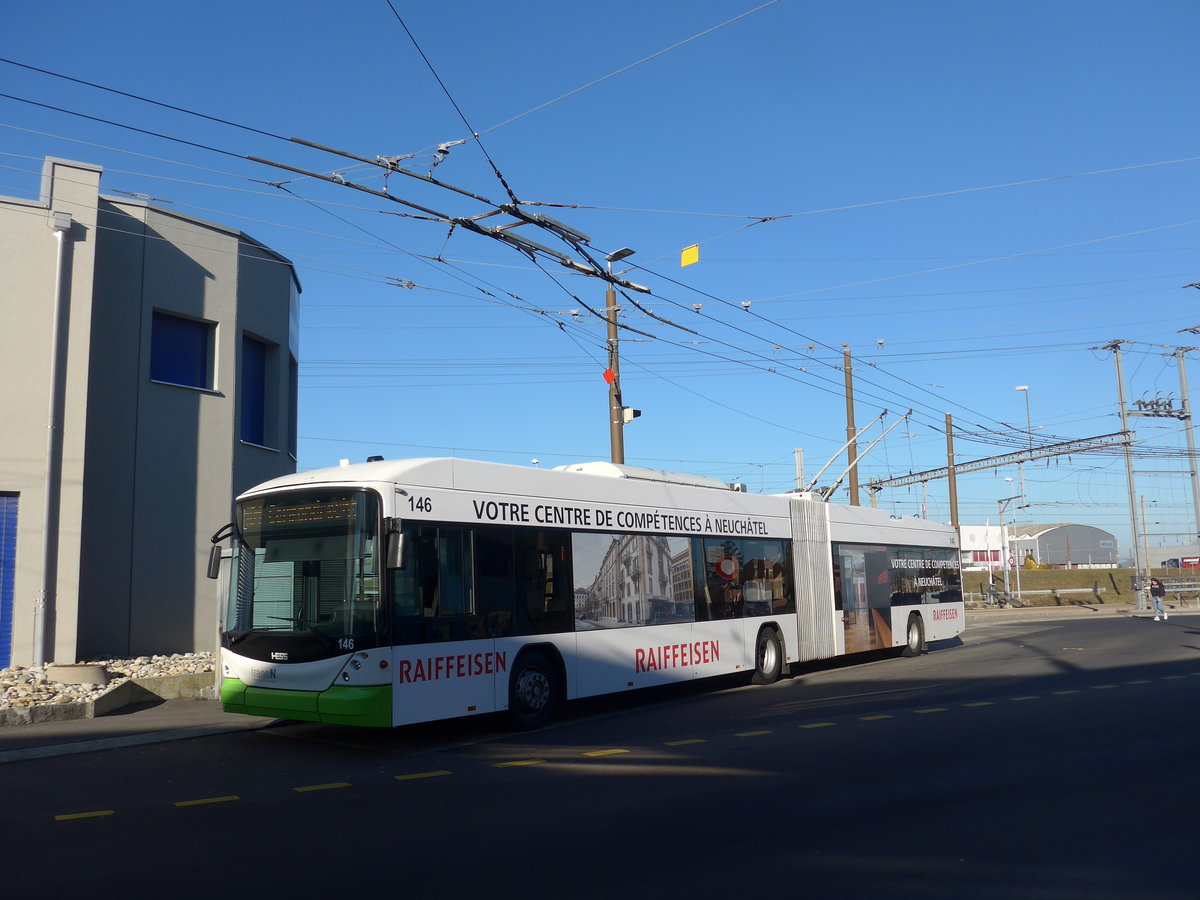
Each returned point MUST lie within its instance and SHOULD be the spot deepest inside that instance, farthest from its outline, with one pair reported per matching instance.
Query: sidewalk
(147, 723)
(172, 720)
(1071, 611)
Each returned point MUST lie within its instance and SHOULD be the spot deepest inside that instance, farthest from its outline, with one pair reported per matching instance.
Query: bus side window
(456, 589)
(433, 596)
(494, 579)
(544, 591)
(408, 583)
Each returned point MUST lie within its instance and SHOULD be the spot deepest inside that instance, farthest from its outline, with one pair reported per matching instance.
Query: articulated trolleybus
(393, 592)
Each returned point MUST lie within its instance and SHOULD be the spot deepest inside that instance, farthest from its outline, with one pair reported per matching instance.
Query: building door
(8, 569)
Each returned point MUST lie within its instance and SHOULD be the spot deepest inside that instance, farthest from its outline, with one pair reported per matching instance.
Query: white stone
(23, 686)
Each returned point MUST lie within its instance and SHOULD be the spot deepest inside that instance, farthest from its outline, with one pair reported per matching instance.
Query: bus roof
(447, 471)
(606, 482)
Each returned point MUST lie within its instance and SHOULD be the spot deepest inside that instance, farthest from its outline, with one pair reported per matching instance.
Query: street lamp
(1028, 421)
(616, 409)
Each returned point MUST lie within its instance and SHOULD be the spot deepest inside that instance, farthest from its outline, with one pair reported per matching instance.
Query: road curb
(128, 740)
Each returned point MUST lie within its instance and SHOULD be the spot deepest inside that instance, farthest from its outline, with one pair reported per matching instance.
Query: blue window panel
(181, 351)
(293, 403)
(253, 426)
(8, 569)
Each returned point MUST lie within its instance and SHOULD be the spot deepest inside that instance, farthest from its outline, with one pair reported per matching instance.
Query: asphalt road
(1028, 760)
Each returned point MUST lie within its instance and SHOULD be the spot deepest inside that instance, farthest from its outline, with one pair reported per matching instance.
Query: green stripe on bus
(338, 705)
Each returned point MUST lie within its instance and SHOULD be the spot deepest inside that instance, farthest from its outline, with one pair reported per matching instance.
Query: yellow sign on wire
(689, 255)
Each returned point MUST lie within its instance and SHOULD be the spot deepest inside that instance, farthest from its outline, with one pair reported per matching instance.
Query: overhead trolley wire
(759, 220)
(139, 97)
(454, 103)
(613, 74)
(103, 121)
(836, 389)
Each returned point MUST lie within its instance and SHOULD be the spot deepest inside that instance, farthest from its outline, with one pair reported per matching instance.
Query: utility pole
(616, 408)
(950, 478)
(1189, 430)
(1135, 531)
(851, 431)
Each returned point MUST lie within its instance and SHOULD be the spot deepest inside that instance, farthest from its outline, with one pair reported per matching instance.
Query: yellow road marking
(744, 734)
(819, 725)
(1173, 677)
(1018, 699)
(873, 718)
(1103, 687)
(84, 815)
(1139, 681)
(207, 800)
(613, 752)
(518, 762)
(979, 703)
(415, 775)
(685, 743)
(1064, 693)
(932, 709)
(322, 787)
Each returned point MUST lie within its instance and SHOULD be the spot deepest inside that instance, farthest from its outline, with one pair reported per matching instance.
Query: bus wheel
(768, 657)
(914, 643)
(532, 691)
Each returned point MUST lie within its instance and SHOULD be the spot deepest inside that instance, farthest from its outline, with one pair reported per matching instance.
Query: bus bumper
(338, 705)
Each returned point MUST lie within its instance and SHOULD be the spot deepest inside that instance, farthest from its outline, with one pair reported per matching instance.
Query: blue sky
(972, 196)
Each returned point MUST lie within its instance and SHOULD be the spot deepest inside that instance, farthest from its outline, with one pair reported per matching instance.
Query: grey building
(176, 358)
(1065, 545)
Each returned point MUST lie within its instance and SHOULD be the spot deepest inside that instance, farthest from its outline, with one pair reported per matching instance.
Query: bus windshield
(308, 573)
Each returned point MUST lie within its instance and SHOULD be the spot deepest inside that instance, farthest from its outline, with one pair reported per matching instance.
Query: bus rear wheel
(914, 643)
(533, 691)
(768, 657)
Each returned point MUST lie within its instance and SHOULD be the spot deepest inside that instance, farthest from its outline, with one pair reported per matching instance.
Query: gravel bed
(22, 686)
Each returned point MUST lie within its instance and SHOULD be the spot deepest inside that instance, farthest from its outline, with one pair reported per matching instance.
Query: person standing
(1157, 592)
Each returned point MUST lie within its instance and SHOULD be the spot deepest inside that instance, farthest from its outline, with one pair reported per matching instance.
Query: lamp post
(616, 410)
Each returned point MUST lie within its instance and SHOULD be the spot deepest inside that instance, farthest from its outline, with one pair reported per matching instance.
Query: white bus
(392, 592)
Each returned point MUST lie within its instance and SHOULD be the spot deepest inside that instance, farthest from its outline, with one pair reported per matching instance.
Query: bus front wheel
(533, 691)
(914, 643)
(768, 657)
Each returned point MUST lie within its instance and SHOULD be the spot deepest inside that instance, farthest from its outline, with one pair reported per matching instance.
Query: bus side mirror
(214, 555)
(395, 550)
(214, 561)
